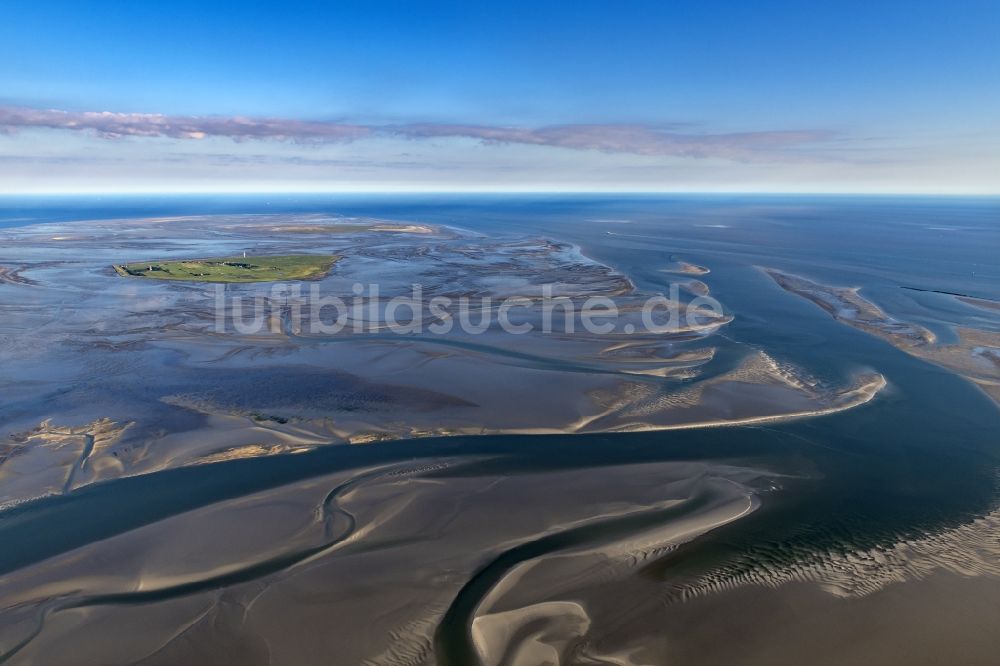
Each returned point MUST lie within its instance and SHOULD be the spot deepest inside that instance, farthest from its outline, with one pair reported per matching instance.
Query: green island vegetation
(234, 269)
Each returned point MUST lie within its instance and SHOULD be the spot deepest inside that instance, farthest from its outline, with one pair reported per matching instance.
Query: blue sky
(704, 96)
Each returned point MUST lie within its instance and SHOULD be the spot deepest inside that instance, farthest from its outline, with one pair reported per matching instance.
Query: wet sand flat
(808, 476)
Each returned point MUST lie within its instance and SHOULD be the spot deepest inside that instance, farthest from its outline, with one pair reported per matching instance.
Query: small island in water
(234, 269)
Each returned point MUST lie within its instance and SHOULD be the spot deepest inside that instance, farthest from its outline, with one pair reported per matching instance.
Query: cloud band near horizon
(635, 139)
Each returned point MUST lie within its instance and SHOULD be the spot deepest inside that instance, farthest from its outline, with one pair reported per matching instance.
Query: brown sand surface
(944, 619)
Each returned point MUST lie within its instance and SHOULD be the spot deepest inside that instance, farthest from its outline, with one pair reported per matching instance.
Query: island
(234, 269)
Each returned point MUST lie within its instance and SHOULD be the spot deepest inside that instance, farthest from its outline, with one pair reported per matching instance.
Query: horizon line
(183, 192)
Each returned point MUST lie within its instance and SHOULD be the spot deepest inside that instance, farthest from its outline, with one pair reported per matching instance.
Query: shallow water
(408, 546)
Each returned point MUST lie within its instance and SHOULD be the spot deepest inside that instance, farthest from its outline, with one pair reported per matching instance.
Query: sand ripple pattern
(972, 549)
